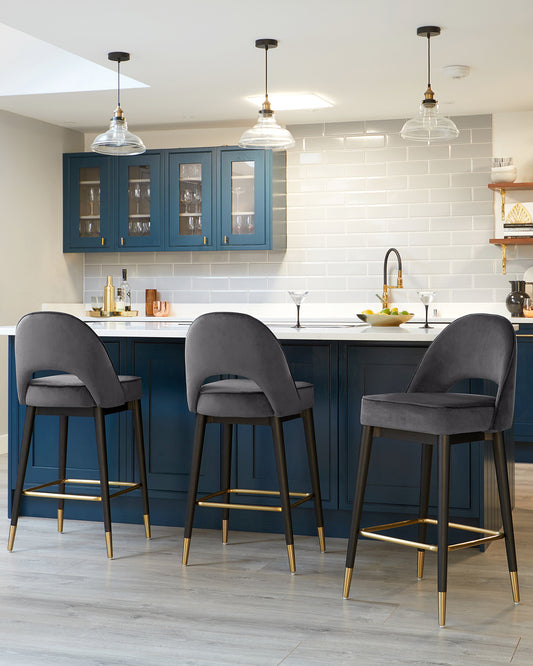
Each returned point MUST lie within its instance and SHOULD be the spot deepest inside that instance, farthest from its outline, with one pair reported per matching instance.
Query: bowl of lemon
(386, 317)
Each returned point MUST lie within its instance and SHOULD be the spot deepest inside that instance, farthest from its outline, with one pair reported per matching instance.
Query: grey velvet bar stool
(89, 386)
(477, 346)
(265, 393)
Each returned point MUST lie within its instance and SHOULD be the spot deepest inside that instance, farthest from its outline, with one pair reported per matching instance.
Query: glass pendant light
(429, 126)
(118, 140)
(266, 133)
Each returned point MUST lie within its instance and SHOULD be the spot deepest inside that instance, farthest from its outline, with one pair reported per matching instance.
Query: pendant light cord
(118, 83)
(429, 59)
(266, 71)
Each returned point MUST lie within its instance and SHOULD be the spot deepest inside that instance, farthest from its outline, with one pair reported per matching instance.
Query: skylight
(31, 66)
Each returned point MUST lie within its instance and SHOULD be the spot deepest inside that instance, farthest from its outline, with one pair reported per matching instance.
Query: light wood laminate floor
(62, 602)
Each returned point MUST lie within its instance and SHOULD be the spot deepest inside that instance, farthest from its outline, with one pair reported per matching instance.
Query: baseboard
(3, 444)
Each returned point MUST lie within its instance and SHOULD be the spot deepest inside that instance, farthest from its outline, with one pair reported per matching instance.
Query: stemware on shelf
(298, 297)
(426, 296)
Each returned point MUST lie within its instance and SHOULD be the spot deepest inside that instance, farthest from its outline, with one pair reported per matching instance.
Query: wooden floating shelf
(510, 186)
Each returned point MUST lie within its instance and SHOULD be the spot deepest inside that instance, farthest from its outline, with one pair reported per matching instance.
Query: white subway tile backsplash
(354, 189)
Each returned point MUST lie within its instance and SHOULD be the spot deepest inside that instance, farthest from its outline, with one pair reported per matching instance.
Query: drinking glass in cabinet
(242, 198)
(89, 204)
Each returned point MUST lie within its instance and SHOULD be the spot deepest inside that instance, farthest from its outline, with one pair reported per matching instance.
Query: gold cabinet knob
(205, 240)
(103, 240)
(122, 240)
(226, 239)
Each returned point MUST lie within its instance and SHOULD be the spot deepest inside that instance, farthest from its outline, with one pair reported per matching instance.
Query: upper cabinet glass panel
(190, 214)
(89, 202)
(190, 190)
(140, 201)
(243, 198)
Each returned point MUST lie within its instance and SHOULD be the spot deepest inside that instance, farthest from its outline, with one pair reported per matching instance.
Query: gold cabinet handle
(205, 240)
(225, 239)
(121, 240)
(103, 240)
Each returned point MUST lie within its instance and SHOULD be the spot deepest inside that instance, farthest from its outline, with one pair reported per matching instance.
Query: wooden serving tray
(122, 313)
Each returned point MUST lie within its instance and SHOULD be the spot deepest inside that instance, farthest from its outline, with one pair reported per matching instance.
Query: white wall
(33, 268)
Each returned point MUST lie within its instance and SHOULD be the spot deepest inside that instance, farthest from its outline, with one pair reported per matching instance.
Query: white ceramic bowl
(506, 174)
(385, 319)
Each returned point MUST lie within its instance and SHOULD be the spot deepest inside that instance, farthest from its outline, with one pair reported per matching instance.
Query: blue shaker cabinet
(220, 198)
(112, 203)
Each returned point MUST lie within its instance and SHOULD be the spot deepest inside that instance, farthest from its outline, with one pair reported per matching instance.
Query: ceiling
(199, 61)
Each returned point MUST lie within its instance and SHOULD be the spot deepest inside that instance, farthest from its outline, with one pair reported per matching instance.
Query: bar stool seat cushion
(433, 413)
(68, 391)
(243, 398)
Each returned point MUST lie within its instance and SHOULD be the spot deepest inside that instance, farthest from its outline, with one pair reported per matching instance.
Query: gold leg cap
(347, 582)
(225, 528)
(322, 539)
(292, 559)
(442, 609)
(147, 528)
(514, 586)
(109, 545)
(186, 546)
(11, 540)
(420, 564)
(60, 514)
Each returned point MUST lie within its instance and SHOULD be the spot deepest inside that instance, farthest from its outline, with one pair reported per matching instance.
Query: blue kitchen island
(343, 363)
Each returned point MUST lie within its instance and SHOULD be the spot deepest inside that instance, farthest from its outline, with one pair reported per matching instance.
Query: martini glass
(426, 296)
(298, 297)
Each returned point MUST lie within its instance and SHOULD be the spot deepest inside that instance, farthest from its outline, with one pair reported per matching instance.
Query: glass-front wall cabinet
(190, 199)
(87, 181)
(243, 198)
(140, 201)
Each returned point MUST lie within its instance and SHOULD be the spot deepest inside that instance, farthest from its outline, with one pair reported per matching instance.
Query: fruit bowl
(385, 319)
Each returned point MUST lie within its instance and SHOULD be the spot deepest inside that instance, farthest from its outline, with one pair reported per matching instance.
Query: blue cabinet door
(393, 479)
(313, 362)
(523, 412)
(140, 205)
(245, 218)
(168, 424)
(191, 200)
(88, 203)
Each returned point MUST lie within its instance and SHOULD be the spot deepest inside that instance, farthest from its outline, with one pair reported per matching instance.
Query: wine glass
(298, 297)
(426, 296)
(137, 194)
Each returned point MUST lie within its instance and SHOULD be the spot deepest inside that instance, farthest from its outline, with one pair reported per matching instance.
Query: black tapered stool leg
(367, 434)
(199, 432)
(101, 446)
(425, 481)
(27, 432)
(225, 476)
(506, 510)
(443, 517)
(283, 481)
(62, 468)
(310, 442)
(141, 461)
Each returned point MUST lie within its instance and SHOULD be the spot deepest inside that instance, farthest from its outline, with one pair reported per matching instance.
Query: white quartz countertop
(320, 322)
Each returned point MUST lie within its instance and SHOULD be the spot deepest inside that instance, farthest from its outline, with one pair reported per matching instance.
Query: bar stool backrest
(476, 346)
(231, 343)
(56, 341)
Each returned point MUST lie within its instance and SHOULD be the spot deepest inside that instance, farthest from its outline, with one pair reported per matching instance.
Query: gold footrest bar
(206, 500)
(370, 533)
(35, 491)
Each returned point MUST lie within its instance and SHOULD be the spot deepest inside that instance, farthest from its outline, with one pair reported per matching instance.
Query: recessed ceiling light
(292, 101)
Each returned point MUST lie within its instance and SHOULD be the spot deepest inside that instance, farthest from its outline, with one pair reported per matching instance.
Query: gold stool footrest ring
(373, 533)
